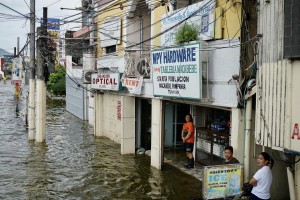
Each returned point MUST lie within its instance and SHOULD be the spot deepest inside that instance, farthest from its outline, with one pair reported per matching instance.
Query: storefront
(213, 133)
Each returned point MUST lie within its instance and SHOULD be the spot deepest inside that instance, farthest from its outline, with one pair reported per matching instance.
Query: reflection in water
(73, 164)
(37, 171)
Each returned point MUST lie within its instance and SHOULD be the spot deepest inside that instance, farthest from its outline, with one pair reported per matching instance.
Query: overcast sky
(10, 30)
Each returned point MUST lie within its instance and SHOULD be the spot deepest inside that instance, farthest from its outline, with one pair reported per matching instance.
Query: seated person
(229, 159)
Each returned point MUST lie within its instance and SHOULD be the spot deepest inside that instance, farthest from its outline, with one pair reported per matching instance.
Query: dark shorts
(254, 197)
(188, 147)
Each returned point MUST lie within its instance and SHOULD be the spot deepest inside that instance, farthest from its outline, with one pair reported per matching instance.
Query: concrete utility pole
(40, 83)
(18, 45)
(31, 104)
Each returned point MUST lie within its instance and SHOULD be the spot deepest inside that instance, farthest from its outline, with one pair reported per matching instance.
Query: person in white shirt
(262, 179)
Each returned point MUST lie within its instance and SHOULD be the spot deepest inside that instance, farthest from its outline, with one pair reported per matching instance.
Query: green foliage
(186, 33)
(57, 81)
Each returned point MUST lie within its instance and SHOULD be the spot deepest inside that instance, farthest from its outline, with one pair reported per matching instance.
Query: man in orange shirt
(187, 135)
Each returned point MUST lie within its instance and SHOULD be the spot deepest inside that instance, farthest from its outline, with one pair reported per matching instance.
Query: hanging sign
(106, 81)
(222, 181)
(176, 72)
(134, 85)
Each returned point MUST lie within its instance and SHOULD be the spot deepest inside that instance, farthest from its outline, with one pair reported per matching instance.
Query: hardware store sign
(106, 81)
(176, 72)
(222, 181)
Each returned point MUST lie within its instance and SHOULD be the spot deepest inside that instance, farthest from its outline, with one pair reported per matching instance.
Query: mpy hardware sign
(176, 71)
(220, 181)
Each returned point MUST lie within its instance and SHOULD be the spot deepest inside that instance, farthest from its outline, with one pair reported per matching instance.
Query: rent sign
(176, 72)
(221, 181)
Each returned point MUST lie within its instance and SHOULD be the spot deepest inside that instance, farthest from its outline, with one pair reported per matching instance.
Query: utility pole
(31, 104)
(40, 82)
(18, 45)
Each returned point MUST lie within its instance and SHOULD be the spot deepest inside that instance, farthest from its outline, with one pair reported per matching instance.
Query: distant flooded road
(73, 164)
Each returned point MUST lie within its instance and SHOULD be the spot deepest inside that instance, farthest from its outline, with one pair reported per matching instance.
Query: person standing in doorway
(228, 154)
(262, 179)
(187, 135)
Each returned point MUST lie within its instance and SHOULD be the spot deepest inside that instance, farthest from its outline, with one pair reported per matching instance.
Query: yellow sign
(222, 181)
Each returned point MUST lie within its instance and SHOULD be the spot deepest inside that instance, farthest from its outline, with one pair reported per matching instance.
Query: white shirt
(264, 180)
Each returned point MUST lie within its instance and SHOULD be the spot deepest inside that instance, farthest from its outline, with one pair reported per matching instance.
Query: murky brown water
(73, 164)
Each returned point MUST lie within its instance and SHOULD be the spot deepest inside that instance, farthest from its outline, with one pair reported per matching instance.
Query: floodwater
(73, 164)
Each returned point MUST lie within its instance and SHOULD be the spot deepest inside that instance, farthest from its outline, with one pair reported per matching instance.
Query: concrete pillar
(237, 133)
(127, 125)
(91, 109)
(99, 115)
(157, 134)
(31, 110)
(40, 111)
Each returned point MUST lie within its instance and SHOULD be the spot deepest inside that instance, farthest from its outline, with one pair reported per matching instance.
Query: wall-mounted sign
(110, 32)
(133, 85)
(176, 72)
(222, 181)
(202, 17)
(106, 81)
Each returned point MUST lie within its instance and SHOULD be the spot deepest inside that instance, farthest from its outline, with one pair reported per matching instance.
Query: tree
(57, 81)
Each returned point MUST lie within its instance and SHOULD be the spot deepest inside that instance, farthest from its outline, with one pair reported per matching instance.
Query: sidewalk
(177, 159)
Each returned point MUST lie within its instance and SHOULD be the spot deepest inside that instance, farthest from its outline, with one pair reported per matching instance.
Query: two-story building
(145, 88)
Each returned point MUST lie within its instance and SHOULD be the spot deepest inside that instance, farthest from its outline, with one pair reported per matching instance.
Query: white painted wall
(115, 119)
(111, 125)
(113, 62)
(295, 97)
(223, 63)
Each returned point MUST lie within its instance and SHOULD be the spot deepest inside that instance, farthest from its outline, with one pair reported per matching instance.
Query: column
(157, 134)
(127, 114)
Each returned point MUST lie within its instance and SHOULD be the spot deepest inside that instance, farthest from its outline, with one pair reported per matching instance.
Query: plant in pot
(186, 33)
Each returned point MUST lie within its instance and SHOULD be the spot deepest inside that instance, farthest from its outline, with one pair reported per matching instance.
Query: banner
(176, 71)
(134, 85)
(221, 181)
(202, 17)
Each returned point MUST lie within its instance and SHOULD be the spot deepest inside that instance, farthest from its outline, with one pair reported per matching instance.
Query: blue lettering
(156, 57)
(165, 57)
(217, 177)
(188, 54)
(193, 54)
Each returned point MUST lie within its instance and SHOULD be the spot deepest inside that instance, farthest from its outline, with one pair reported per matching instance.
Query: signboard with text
(52, 24)
(176, 72)
(133, 84)
(220, 181)
(106, 81)
(199, 14)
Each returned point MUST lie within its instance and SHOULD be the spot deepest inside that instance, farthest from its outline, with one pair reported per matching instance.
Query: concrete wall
(112, 125)
(115, 119)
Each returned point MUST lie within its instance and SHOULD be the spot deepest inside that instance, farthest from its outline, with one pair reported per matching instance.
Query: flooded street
(73, 164)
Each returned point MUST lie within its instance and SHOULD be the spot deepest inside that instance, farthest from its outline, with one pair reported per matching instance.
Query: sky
(10, 30)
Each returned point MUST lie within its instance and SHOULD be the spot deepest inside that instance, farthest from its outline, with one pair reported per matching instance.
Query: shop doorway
(174, 120)
(143, 123)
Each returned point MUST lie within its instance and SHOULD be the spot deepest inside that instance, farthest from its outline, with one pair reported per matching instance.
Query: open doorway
(143, 123)
(174, 119)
